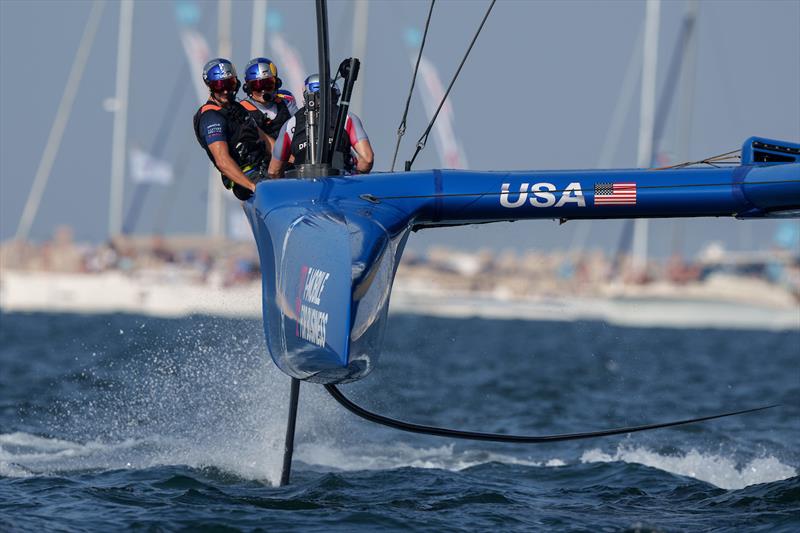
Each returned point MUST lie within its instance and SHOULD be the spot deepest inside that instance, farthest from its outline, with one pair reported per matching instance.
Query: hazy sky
(537, 92)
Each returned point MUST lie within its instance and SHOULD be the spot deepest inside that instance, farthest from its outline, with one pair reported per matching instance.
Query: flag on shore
(148, 169)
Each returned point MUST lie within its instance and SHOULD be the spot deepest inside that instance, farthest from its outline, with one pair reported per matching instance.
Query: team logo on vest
(312, 323)
(542, 195)
(302, 146)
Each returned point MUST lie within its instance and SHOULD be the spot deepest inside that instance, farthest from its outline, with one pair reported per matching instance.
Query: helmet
(261, 74)
(311, 85)
(220, 75)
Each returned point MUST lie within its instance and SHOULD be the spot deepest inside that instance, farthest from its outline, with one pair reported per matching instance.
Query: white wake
(715, 469)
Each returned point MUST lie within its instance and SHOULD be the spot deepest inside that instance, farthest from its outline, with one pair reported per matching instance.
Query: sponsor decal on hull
(312, 323)
(542, 194)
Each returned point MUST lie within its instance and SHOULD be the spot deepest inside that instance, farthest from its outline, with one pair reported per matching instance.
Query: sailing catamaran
(330, 244)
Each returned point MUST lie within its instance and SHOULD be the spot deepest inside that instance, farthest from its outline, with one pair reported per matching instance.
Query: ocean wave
(400, 455)
(723, 472)
(25, 455)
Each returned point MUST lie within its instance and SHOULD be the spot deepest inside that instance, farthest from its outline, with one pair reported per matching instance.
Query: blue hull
(329, 247)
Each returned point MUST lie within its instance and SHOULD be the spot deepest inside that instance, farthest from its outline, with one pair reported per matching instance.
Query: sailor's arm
(228, 167)
(360, 143)
(366, 156)
(275, 169)
(280, 151)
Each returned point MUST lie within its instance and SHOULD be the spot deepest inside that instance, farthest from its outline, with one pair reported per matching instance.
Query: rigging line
(712, 162)
(401, 130)
(520, 439)
(732, 154)
(732, 157)
(373, 198)
(424, 138)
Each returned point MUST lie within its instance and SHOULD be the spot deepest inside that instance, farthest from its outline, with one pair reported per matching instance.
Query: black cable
(519, 439)
(374, 199)
(401, 130)
(424, 139)
(731, 158)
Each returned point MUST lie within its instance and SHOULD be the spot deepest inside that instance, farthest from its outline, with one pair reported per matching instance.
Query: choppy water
(110, 422)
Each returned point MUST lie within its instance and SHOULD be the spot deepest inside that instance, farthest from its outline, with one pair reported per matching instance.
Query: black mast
(324, 123)
(318, 110)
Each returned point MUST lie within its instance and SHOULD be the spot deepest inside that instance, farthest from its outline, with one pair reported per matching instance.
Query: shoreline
(170, 296)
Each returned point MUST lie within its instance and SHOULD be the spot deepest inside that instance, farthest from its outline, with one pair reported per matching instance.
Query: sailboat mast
(647, 104)
(646, 121)
(257, 31)
(323, 52)
(119, 135)
(216, 207)
(360, 28)
(686, 91)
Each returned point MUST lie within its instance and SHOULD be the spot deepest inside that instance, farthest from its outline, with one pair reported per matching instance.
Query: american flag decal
(614, 194)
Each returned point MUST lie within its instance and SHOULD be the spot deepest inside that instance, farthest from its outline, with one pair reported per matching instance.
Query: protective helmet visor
(223, 86)
(312, 86)
(265, 84)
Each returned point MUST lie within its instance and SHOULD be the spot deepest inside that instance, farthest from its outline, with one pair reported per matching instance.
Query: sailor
(227, 132)
(270, 106)
(292, 139)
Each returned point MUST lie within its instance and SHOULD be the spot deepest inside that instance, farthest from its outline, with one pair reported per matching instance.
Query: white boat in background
(719, 303)
(151, 293)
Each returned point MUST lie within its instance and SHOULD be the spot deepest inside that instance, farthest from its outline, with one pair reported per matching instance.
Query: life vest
(244, 142)
(269, 126)
(342, 157)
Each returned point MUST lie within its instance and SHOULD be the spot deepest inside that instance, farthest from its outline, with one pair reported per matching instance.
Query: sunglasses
(264, 84)
(220, 86)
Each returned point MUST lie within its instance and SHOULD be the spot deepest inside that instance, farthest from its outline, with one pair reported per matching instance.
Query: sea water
(118, 421)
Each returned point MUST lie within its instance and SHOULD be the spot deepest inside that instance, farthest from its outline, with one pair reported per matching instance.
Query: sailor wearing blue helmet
(269, 106)
(227, 132)
(354, 147)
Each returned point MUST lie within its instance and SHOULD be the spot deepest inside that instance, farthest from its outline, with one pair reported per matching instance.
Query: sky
(537, 92)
